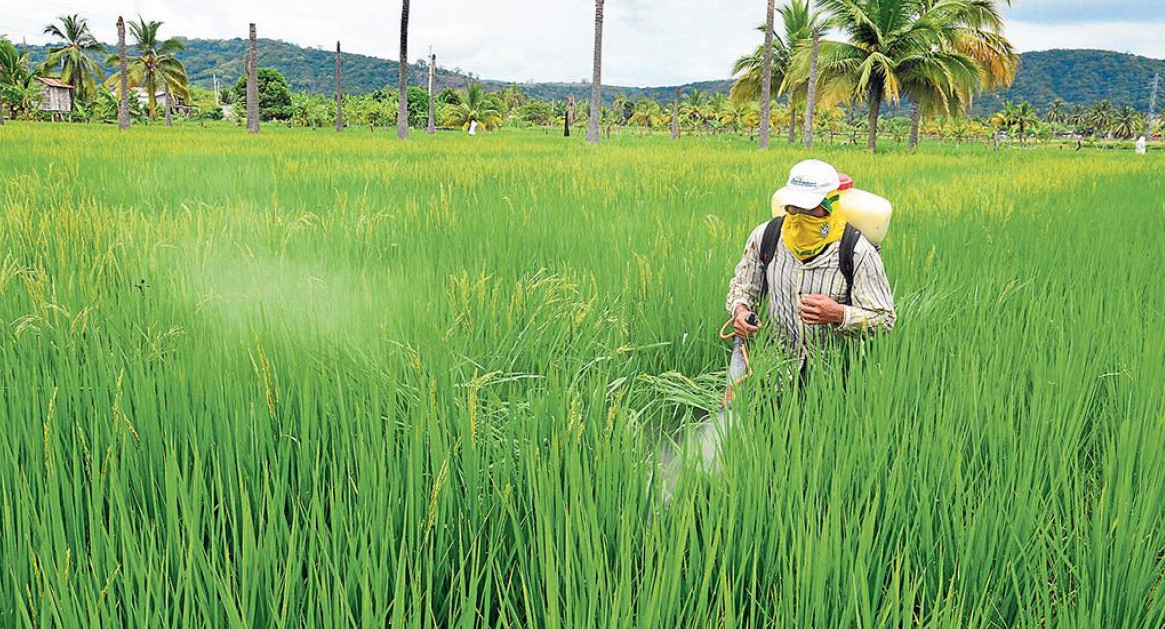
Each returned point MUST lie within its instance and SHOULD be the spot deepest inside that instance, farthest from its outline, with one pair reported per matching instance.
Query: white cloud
(647, 42)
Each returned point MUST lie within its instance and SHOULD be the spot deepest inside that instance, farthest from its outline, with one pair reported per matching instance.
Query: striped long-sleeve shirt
(871, 309)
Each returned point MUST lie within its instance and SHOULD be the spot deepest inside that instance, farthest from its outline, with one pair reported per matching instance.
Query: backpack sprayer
(867, 212)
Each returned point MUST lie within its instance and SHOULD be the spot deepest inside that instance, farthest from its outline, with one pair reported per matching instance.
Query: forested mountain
(1082, 76)
(1076, 76)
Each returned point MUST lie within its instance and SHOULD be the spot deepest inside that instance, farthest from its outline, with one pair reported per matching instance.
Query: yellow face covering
(806, 236)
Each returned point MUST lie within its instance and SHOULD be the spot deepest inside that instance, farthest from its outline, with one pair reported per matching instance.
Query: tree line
(930, 55)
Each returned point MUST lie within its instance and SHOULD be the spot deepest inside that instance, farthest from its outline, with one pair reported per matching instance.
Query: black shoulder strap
(849, 241)
(768, 248)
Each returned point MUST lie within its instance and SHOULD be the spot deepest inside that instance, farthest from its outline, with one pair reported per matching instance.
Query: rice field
(318, 380)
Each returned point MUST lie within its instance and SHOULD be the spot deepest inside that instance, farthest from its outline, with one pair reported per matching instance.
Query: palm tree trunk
(875, 107)
(915, 123)
(402, 112)
(252, 83)
(339, 93)
(675, 116)
(123, 80)
(792, 122)
(432, 97)
(766, 81)
(169, 121)
(566, 121)
(811, 100)
(597, 78)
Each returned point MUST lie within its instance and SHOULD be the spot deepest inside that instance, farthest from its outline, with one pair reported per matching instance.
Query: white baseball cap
(809, 183)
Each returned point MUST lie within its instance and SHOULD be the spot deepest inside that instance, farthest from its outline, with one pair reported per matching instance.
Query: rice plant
(310, 380)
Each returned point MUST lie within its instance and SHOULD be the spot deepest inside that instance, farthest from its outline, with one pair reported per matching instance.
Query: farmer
(810, 299)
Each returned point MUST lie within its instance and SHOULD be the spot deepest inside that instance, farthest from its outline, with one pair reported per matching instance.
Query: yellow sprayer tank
(866, 211)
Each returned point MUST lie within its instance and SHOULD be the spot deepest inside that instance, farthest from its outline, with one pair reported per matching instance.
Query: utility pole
(252, 83)
(123, 95)
(339, 94)
(214, 84)
(432, 97)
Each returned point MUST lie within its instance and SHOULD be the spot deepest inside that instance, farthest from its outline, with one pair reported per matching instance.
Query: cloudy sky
(647, 42)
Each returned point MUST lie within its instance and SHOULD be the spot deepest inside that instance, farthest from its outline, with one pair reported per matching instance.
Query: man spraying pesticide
(814, 270)
(815, 265)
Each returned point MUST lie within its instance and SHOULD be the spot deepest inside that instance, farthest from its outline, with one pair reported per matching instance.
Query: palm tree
(73, 55)
(799, 24)
(898, 47)
(1078, 118)
(476, 106)
(692, 107)
(1056, 113)
(154, 66)
(1016, 118)
(733, 114)
(620, 105)
(766, 92)
(402, 112)
(647, 114)
(597, 79)
(1101, 117)
(1128, 123)
(976, 32)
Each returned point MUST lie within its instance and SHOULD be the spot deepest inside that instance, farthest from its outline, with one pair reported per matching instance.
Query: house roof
(53, 82)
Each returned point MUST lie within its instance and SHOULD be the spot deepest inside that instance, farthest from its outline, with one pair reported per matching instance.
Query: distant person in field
(809, 300)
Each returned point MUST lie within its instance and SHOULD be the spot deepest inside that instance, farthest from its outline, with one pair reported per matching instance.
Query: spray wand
(740, 368)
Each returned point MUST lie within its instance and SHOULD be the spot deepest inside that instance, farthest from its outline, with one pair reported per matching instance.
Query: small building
(56, 96)
(143, 96)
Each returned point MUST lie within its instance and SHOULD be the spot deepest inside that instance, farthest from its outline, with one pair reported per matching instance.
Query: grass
(316, 380)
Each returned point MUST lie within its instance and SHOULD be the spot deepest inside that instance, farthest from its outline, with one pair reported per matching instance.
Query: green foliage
(152, 64)
(418, 104)
(537, 112)
(448, 96)
(475, 105)
(274, 95)
(330, 380)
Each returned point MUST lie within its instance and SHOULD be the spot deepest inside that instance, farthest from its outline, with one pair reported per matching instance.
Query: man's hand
(820, 310)
(740, 322)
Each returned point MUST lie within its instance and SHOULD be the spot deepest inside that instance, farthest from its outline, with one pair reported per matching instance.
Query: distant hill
(1081, 76)
(1076, 76)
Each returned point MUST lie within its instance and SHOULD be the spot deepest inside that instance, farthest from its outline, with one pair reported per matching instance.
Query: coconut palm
(476, 105)
(975, 30)
(1128, 123)
(153, 66)
(73, 55)
(1078, 118)
(1057, 112)
(1100, 117)
(733, 114)
(1016, 118)
(647, 114)
(693, 107)
(799, 23)
(900, 47)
